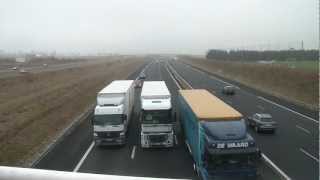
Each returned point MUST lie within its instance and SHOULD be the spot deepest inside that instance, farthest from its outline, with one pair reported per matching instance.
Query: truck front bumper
(150, 140)
(109, 141)
(267, 128)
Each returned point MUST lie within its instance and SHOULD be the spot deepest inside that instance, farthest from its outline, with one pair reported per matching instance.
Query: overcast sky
(156, 26)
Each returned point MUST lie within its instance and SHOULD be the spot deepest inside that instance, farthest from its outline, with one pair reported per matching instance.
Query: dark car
(229, 90)
(140, 79)
(262, 122)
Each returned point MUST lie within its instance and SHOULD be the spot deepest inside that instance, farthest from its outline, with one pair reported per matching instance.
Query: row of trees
(249, 55)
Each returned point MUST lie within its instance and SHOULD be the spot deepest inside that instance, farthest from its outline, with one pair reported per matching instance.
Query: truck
(156, 116)
(112, 113)
(216, 136)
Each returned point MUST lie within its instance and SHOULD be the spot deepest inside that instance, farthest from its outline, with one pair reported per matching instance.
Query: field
(304, 65)
(297, 85)
(35, 107)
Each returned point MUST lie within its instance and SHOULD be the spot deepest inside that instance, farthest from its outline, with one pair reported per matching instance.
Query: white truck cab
(156, 115)
(113, 113)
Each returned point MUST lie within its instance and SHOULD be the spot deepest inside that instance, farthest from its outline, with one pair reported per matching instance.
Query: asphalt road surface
(76, 152)
(294, 148)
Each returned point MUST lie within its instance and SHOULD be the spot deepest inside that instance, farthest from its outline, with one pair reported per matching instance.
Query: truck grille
(157, 138)
(108, 134)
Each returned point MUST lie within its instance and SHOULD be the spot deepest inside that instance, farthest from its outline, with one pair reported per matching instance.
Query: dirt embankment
(296, 85)
(34, 108)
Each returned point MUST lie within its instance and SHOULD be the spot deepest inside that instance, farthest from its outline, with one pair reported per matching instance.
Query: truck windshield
(230, 160)
(110, 119)
(156, 117)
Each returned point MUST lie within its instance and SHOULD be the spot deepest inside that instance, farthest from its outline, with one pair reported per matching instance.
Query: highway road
(38, 68)
(295, 146)
(287, 148)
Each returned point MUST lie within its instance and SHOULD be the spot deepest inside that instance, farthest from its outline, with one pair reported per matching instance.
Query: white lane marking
(284, 175)
(266, 159)
(189, 149)
(288, 109)
(83, 157)
(176, 139)
(180, 76)
(303, 129)
(175, 81)
(260, 107)
(213, 77)
(133, 153)
(269, 101)
(309, 155)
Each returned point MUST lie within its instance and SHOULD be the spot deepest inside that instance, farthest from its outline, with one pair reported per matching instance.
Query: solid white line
(213, 77)
(188, 147)
(180, 76)
(133, 153)
(83, 157)
(175, 81)
(288, 109)
(284, 175)
(309, 155)
(176, 139)
(303, 129)
(266, 159)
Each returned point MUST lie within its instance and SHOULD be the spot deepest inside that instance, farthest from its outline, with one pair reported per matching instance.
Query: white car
(22, 71)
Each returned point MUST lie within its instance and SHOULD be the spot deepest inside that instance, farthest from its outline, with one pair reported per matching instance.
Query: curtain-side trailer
(216, 136)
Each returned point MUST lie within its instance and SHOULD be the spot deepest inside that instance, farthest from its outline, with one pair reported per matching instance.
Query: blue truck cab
(216, 136)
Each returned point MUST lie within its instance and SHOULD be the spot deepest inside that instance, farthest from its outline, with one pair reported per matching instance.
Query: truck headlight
(95, 134)
(122, 133)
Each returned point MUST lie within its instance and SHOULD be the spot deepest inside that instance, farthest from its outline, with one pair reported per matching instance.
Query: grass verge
(295, 85)
(34, 108)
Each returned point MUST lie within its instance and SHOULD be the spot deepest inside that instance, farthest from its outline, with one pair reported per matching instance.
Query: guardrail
(14, 173)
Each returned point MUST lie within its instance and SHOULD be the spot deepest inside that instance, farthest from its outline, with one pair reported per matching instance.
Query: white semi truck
(156, 115)
(112, 113)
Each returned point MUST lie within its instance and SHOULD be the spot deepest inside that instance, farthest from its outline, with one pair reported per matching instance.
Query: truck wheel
(256, 128)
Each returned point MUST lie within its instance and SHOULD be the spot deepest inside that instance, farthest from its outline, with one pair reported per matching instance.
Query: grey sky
(156, 26)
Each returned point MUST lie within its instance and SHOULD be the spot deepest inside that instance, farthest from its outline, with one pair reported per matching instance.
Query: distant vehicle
(113, 113)
(229, 90)
(262, 122)
(14, 68)
(156, 117)
(45, 65)
(22, 71)
(216, 136)
(139, 81)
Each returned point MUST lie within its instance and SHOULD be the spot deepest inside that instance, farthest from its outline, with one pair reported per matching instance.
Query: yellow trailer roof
(207, 106)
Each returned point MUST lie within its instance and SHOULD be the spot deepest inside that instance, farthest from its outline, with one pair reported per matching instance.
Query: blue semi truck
(216, 136)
